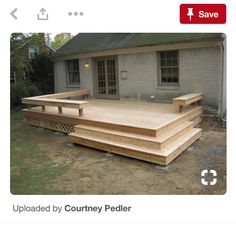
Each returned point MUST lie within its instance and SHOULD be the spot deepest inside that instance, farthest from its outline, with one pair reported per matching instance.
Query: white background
(115, 16)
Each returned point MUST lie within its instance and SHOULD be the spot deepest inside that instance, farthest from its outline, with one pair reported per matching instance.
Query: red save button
(202, 13)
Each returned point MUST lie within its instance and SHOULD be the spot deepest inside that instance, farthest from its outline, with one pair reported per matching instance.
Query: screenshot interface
(114, 113)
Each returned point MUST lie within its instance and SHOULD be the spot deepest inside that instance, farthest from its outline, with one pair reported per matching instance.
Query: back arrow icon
(12, 13)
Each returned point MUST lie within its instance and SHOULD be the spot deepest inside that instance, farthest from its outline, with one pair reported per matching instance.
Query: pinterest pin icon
(190, 13)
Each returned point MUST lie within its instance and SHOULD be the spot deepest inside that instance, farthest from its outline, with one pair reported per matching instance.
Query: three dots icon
(75, 13)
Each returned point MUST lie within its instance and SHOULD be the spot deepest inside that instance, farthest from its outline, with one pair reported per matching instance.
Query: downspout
(223, 81)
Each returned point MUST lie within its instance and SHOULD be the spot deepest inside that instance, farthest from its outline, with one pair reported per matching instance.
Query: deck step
(146, 131)
(162, 157)
(118, 127)
(136, 139)
(174, 133)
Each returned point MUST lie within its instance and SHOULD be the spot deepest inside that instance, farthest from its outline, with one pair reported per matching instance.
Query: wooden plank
(118, 149)
(119, 127)
(50, 117)
(187, 116)
(173, 134)
(118, 136)
(193, 100)
(75, 104)
(151, 155)
(186, 142)
(136, 139)
(197, 120)
(187, 99)
(188, 96)
(66, 94)
(142, 129)
(143, 115)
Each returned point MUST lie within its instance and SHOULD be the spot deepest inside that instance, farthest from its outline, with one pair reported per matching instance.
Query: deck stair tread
(140, 129)
(159, 139)
(165, 152)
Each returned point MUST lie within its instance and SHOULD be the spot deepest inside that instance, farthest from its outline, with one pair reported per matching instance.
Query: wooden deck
(152, 132)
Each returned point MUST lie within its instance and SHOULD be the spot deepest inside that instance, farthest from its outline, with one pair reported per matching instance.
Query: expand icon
(208, 177)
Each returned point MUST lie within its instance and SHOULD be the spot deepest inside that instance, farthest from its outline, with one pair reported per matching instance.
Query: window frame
(35, 52)
(68, 71)
(12, 77)
(160, 67)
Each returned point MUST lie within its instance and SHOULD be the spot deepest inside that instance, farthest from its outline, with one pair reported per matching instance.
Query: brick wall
(141, 70)
(200, 71)
(86, 81)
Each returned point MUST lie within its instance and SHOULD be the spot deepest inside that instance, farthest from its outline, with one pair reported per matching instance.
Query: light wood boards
(162, 157)
(37, 115)
(150, 119)
(119, 127)
(75, 104)
(148, 131)
(135, 139)
(186, 100)
(56, 100)
(64, 95)
(59, 103)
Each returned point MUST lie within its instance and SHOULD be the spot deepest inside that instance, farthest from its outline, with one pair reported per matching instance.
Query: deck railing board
(186, 100)
(67, 95)
(55, 100)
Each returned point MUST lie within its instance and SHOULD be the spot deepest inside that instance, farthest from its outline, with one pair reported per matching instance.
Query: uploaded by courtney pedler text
(70, 208)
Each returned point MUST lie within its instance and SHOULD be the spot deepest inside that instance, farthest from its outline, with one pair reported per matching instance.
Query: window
(169, 68)
(33, 52)
(13, 77)
(73, 75)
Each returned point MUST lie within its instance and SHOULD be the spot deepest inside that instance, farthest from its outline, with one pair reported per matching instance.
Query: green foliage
(18, 62)
(21, 89)
(60, 40)
(17, 40)
(42, 73)
(38, 72)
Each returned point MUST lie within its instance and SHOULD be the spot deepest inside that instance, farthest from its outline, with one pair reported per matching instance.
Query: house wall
(200, 70)
(86, 81)
(141, 72)
(60, 77)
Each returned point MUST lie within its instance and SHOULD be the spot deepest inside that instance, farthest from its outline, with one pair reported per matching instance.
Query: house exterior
(29, 51)
(144, 66)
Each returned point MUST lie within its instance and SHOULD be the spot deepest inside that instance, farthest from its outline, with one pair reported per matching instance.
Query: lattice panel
(57, 126)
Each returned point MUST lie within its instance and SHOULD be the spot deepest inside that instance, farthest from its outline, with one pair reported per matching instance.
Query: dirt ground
(96, 172)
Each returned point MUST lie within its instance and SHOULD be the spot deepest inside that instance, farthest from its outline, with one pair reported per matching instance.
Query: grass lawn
(31, 168)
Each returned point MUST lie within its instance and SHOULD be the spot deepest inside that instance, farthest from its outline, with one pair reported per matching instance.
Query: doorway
(107, 78)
